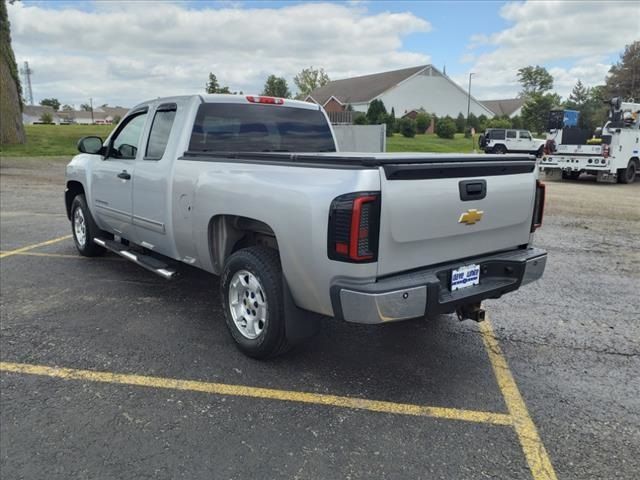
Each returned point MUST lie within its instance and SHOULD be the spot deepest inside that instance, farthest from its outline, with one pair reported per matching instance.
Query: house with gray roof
(508, 107)
(422, 87)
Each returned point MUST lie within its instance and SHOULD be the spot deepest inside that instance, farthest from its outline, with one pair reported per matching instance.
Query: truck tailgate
(453, 208)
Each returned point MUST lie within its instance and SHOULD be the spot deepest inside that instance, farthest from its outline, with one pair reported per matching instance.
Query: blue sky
(112, 50)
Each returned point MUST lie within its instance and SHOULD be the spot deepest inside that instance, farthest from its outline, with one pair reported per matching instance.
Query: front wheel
(628, 175)
(252, 297)
(84, 228)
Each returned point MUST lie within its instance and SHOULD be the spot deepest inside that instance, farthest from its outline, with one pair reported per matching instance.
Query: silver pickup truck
(253, 189)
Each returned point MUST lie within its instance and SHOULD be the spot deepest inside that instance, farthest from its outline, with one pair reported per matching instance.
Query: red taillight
(354, 223)
(269, 100)
(538, 206)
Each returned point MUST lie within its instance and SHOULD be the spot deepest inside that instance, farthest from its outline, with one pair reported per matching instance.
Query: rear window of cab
(233, 127)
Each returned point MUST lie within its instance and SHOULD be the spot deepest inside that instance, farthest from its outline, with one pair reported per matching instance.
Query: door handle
(124, 175)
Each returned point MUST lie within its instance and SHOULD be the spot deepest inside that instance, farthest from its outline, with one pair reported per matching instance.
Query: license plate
(465, 277)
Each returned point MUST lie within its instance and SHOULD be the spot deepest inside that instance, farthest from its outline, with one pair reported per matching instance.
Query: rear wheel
(252, 296)
(501, 149)
(84, 228)
(628, 175)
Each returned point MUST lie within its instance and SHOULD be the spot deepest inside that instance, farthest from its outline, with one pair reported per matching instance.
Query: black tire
(628, 175)
(88, 248)
(500, 149)
(264, 264)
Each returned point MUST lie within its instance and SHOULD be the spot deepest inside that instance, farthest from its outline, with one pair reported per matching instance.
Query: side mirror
(91, 144)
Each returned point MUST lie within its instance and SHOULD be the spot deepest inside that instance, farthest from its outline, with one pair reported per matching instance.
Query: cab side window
(125, 144)
(160, 130)
(525, 135)
(511, 134)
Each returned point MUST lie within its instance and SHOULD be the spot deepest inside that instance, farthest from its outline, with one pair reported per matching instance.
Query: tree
(407, 127)
(535, 111)
(376, 113)
(446, 127)
(86, 107)
(536, 83)
(214, 87)
(624, 77)
(11, 128)
(390, 121)
(423, 120)
(516, 122)
(116, 120)
(534, 80)
(67, 108)
(477, 123)
(590, 103)
(46, 117)
(51, 102)
(276, 87)
(309, 79)
(578, 97)
(460, 123)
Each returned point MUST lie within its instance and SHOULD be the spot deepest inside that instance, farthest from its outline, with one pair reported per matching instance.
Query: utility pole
(91, 104)
(469, 99)
(26, 72)
(473, 143)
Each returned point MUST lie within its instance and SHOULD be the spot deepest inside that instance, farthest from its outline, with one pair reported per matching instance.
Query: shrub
(422, 122)
(360, 119)
(407, 127)
(446, 127)
(46, 117)
(499, 123)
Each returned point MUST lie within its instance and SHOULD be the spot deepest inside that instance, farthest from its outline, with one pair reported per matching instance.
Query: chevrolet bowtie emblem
(471, 216)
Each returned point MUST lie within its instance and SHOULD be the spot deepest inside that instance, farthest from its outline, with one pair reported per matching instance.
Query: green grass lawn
(431, 143)
(57, 140)
(50, 140)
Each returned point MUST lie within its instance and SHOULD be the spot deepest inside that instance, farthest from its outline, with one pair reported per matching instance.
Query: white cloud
(125, 52)
(581, 36)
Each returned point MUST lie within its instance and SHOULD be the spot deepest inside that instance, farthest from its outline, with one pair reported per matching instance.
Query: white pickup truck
(253, 189)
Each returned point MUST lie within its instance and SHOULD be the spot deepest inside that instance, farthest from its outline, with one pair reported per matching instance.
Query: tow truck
(612, 154)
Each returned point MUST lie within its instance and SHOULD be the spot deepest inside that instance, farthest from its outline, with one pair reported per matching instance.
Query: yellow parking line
(255, 392)
(41, 254)
(31, 247)
(534, 451)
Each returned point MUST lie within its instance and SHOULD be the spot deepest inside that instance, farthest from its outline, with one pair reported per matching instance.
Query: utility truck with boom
(253, 189)
(613, 154)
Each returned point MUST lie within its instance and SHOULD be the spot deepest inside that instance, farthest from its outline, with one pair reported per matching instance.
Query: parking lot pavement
(154, 387)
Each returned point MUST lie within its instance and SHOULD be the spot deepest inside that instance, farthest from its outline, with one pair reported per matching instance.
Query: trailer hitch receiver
(472, 311)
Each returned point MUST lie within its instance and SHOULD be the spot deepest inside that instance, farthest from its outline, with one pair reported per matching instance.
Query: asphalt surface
(572, 341)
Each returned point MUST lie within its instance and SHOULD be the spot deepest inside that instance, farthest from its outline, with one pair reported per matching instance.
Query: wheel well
(229, 233)
(636, 160)
(73, 189)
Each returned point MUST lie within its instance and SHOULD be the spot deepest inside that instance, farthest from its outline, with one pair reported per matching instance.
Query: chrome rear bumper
(426, 292)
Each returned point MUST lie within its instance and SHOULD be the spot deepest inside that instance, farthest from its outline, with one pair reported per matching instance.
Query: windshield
(233, 127)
